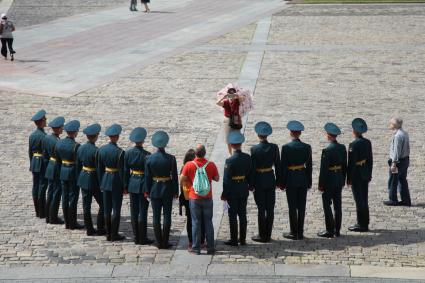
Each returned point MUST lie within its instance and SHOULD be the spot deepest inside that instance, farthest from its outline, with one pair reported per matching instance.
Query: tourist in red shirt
(201, 207)
(184, 201)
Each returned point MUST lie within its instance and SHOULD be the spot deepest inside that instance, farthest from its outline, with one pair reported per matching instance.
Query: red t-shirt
(231, 107)
(189, 170)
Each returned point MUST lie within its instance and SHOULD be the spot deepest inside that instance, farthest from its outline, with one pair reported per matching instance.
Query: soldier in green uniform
(264, 157)
(161, 186)
(359, 173)
(88, 180)
(37, 162)
(134, 180)
(110, 168)
(236, 184)
(52, 173)
(66, 156)
(333, 170)
(297, 170)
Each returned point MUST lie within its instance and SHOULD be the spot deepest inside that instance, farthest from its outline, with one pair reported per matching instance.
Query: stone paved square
(319, 63)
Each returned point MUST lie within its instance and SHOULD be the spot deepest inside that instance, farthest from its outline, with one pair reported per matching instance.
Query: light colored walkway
(5, 5)
(68, 56)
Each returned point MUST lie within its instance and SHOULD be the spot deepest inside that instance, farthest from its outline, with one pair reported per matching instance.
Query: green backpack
(201, 184)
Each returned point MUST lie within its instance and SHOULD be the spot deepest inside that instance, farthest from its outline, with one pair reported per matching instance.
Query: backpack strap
(197, 167)
(206, 164)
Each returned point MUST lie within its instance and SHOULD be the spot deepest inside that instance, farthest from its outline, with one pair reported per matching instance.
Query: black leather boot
(115, 224)
(35, 201)
(108, 227)
(269, 228)
(158, 235)
(100, 222)
(135, 227)
(66, 217)
(89, 224)
(41, 207)
(261, 237)
(74, 225)
(47, 210)
(165, 237)
(233, 234)
(242, 232)
(53, 213)
(143, 229)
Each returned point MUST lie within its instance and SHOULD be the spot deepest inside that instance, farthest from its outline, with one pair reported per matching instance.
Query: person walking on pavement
(88, 180)
(333, 170)
(145, 3)
(359, 173)
(54, 191)
(134, 182)
(66, 156)
(162, 186)
(110, 170)
(236, 184)
(264, 157)
(37, 161)
(133, 4)
(398, 163)
(6, 36)
(198, 175)
(297, 170)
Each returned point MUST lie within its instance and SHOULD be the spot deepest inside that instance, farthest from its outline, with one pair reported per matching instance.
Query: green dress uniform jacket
(264, 156)
(360, 160)
(86, 166)
(53, 167)
(333, 166)
(237, 175)
(296, 153)
(163, 165)
(35, 150)
(66, 155)
(134, 167)
(110, 156)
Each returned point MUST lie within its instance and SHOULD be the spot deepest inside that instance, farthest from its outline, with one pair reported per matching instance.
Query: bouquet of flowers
(246, 105)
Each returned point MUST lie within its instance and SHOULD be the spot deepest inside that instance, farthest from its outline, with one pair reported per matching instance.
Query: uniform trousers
(265, 200)
(360, 193)
(237, 208)
(88, 196)
(54, 193)
(332, 195)
(162, 205)
(297, 198)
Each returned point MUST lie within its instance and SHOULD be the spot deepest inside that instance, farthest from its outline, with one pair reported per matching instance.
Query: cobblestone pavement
(314, 86)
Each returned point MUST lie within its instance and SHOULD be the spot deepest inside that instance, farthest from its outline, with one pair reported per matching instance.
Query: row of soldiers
(61, 167)
(293, 174)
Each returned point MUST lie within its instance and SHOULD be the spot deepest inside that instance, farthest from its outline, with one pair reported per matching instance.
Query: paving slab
(312, 270)
(56, 272)
(139, 270)
(230, 269)
(385, 272)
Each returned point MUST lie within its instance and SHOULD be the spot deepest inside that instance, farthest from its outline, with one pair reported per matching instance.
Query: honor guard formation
(61, 167)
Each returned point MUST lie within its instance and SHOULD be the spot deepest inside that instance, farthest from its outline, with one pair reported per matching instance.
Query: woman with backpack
(184, 202)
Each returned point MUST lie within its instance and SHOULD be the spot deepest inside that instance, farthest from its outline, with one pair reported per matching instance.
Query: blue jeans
(399, 180)
(202, 210)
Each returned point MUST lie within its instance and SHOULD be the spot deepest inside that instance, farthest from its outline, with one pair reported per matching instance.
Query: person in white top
(399, 163)
(6, 37)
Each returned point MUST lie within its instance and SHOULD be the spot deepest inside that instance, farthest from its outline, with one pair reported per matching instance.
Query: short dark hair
(200, 151)
(262, 137)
